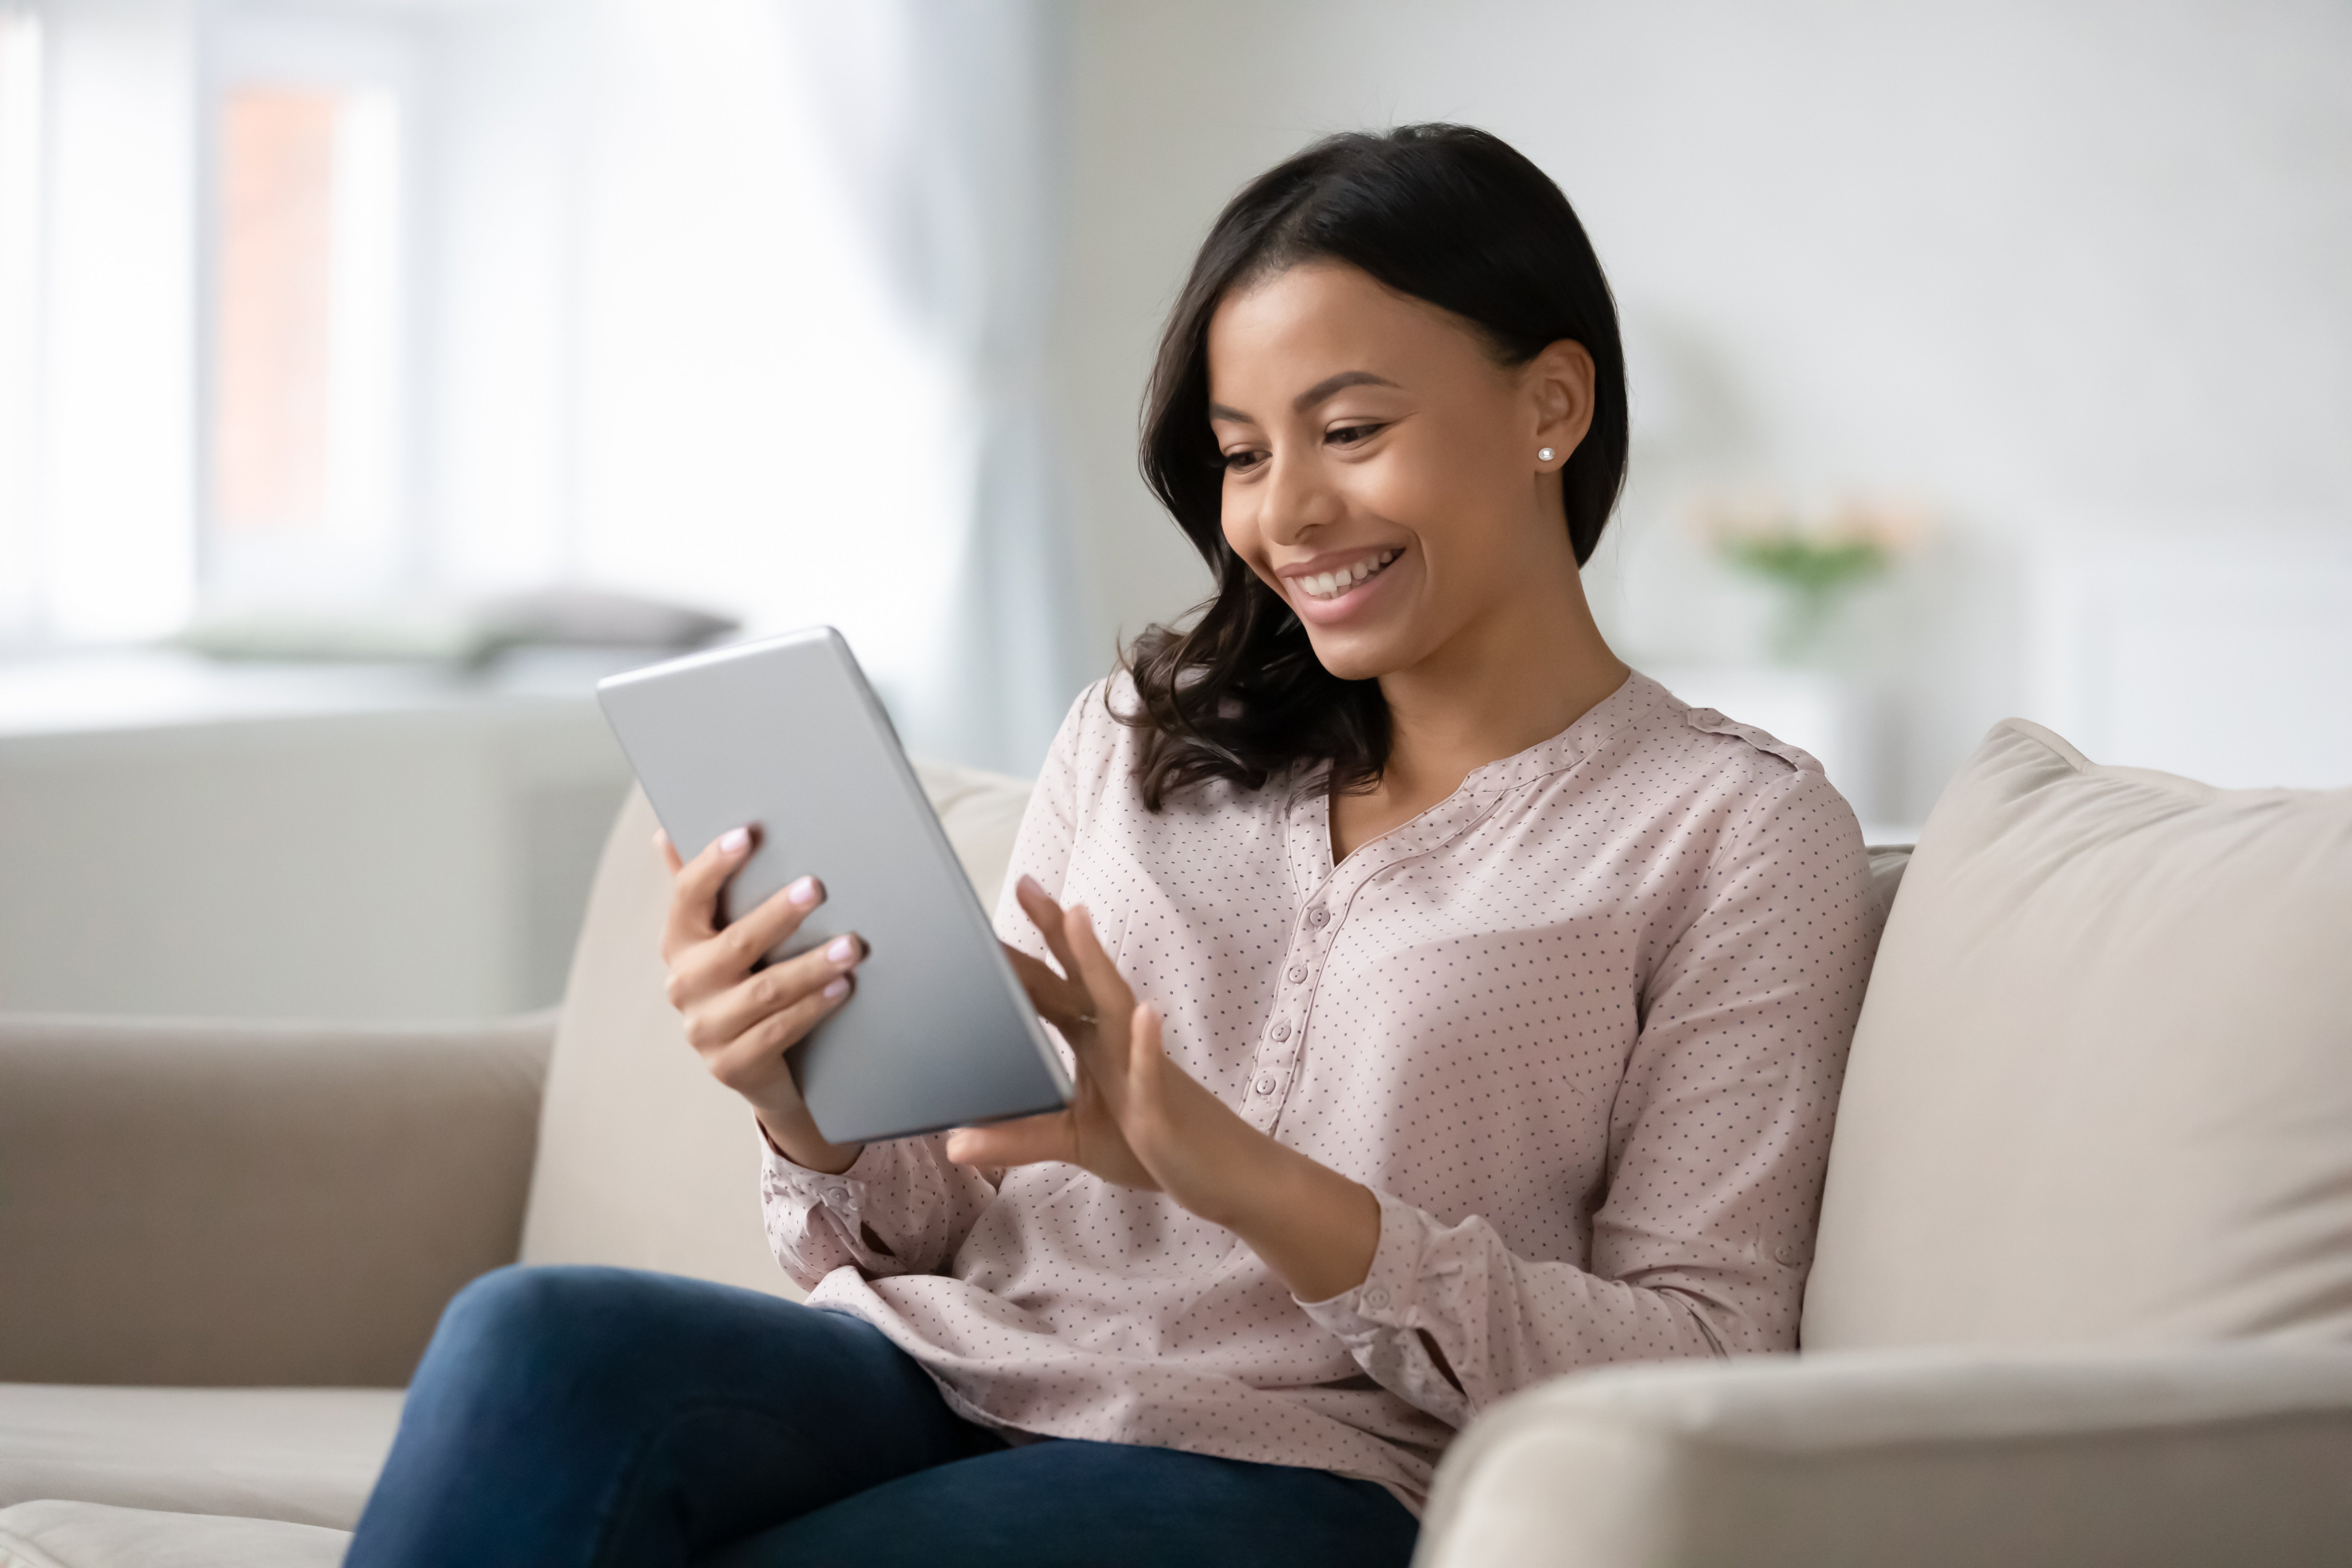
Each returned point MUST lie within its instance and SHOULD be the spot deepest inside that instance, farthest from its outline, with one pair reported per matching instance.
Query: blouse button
(1266, 1084)
(1298, 973)
(1282, 1029)
(1375, 1298)
(1318, 917)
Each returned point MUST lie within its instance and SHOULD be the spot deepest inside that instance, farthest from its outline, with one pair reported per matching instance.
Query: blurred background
(374, 375)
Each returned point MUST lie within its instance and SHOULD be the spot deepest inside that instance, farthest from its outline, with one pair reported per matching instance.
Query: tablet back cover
(786, 736)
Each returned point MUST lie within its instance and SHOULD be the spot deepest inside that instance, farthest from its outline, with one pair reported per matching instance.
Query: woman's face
(1380, 468)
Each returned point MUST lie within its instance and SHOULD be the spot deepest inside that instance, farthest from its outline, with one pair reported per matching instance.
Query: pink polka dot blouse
(1580, 1026)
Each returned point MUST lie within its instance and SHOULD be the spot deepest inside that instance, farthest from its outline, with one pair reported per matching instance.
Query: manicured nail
(734, 841)
(837, 988)
(1030, 884)
(802, 892)
(842, 951)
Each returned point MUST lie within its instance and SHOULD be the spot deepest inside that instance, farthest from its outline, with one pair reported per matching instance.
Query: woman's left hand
(1135, 1116)
(1137, 1119)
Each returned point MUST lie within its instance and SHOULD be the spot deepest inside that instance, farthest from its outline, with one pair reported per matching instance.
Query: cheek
(1237, 515)
(1439, 484)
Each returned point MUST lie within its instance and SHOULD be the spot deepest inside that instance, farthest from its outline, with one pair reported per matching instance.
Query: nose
(1299, 498)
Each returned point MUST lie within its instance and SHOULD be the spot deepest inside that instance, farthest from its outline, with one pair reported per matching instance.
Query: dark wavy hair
(1441, 213)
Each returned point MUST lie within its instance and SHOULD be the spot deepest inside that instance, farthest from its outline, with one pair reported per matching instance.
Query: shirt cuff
(844, 1194)
(1390, 1297)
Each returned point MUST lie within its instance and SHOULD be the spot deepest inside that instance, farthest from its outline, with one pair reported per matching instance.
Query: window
(303, 488)
(304, 335)
(349, 309)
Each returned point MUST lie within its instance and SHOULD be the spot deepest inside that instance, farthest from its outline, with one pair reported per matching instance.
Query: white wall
(2050, 268)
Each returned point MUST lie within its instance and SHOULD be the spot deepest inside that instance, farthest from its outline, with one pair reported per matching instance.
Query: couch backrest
(2102, 1087)
(644, 1161)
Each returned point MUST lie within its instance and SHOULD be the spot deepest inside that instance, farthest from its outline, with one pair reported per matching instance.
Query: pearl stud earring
(1543, 453)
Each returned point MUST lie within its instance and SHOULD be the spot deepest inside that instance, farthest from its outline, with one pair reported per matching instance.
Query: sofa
(2082, 1292)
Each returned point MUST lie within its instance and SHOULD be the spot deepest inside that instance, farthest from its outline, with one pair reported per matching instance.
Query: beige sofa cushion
(307, 1456)
(252, 1205)
(92, 1535)
(644, 1161)
(2101, 1090)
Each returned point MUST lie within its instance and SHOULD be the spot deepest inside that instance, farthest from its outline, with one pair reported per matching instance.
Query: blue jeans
(596, 1415)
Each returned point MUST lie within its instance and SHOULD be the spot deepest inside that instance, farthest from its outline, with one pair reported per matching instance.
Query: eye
(1353, 434)
(1241, 461)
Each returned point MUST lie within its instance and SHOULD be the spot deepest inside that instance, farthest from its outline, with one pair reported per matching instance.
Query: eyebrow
(1326, 387)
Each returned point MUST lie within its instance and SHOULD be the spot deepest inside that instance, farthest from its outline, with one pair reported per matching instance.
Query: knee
(517, 1317)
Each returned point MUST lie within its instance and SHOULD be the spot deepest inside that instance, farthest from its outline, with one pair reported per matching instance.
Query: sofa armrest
(2210, 1456)
(253, 1203)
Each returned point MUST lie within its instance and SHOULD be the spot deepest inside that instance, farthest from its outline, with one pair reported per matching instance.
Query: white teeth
(1328, 584)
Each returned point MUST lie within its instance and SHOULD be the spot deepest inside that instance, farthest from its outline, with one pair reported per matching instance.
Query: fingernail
(802, 892)
(734, 841)
(842, 951)
(837, 988)
(1030, 884)
(660, 839)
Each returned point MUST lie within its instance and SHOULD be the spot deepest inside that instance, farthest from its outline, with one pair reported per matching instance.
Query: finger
(1028, 1140)
(668, 853)
(1142, 1108)
(694, 897)
(1063, 1003)
(1048, 916)
(751, 1059)
(1092, 965)
(1145, 1057)
(749, 937)
(774, 990)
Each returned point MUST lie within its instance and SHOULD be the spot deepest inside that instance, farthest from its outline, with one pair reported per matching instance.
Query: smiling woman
(1441, 243)
(1449, 1007)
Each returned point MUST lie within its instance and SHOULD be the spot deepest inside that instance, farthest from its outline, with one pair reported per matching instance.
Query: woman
(1451, 1008)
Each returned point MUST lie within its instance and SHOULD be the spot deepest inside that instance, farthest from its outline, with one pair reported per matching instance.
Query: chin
(1355, 658)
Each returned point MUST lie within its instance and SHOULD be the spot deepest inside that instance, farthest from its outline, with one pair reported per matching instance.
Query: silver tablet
(786, 736)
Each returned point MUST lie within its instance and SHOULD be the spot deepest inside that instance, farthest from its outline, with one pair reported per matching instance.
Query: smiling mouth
(1331, 585)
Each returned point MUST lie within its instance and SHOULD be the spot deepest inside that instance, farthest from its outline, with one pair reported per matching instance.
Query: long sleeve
(1718, 1142)
(1049, 829)
(903, 1208)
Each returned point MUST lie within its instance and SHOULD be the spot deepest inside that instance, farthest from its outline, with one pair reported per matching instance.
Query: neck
(1515, 676)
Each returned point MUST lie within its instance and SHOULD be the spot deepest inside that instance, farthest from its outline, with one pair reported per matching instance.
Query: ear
(1559, 383)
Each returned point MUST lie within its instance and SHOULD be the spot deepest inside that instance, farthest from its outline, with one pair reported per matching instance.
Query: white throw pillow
(2102, 1086)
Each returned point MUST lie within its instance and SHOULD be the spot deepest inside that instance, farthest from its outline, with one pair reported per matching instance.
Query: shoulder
(1093, 741)
(1663, 736)
(1738, 782)
(1092, 765)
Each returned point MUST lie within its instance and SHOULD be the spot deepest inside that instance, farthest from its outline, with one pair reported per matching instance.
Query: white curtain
(942, 121)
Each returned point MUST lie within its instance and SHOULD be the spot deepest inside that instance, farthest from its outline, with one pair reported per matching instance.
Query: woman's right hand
(742, 1021)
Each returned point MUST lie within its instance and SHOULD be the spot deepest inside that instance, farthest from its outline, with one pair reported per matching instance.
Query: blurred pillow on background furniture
(464, 632)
